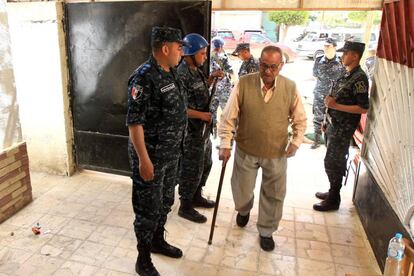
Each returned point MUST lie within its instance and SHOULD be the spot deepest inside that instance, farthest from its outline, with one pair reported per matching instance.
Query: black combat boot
(161, 246)
(144, 265)
(333, 199)
(322, 195)
(330, 204)
(316, 142)
(188, 212)
(200, 201)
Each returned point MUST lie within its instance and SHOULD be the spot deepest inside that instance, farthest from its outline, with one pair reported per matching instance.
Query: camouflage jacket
(326, 71)
(196, 87)
(350, 89)
(249, 66)
(157, 100)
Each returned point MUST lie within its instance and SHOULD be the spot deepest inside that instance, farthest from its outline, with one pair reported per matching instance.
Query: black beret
(239, 47)
(358, 47)
(166, 34)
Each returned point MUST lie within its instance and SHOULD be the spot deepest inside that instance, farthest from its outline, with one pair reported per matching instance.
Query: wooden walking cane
(213, 222)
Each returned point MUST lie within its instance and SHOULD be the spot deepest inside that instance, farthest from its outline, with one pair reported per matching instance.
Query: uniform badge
(360, 87)
(198, 85)
(136, 91)
(167, 88)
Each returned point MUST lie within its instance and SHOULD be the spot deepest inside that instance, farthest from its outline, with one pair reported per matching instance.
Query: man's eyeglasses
(272, 67)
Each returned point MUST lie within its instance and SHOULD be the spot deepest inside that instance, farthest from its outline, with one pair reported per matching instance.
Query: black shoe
(161, 246)
(315, 145)
(203, 202)
(188, 212)
(326, 205)
(316, 141)
(200, 201)
(267, 243)
(164, 248)
(321, 195)
(144, 265)
(242, 220)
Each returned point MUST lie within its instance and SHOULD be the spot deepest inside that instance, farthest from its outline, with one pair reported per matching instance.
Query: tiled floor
(87, 230)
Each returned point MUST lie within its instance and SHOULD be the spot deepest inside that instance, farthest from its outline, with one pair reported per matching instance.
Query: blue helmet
(217, 42)
(193, 43)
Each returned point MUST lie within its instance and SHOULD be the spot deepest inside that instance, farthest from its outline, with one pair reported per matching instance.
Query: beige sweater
(263, 125)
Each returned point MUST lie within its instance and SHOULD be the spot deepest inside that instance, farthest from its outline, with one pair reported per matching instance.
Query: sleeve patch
(361, 87)
(136, 91)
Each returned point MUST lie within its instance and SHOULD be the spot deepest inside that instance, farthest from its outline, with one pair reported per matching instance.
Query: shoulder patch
(360, 87)
(136, 91)
(139, 72)
(143, 69)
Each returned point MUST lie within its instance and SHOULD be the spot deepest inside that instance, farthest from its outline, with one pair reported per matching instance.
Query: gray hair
(272, 49)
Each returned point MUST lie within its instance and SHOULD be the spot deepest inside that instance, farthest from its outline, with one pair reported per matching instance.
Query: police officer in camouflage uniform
(196, 161)
(220, 61)
(346, 103)
(326, 69)
(250, 64)
(157, 121)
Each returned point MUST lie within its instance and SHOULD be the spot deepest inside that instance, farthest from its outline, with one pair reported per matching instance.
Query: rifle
(326, 116)
(206, 128)
(221, 66)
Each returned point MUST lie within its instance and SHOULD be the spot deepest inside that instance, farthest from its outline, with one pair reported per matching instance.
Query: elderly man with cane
(261, 107)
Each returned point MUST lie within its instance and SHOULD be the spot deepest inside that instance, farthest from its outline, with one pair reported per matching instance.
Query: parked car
(311, 45)
(224, 34)
(258, 41)
(230, 41)
(247, 33)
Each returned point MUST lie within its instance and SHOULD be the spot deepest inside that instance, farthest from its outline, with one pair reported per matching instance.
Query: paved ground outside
(87, 229)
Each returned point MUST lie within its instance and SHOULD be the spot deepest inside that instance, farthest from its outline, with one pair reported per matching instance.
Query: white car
(311, 45)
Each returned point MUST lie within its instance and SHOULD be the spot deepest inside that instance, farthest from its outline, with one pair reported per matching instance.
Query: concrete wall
(237, 21)
(10, 132)
(41, 73)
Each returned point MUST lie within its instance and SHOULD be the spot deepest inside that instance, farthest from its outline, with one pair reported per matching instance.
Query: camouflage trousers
(223, 92)
(195, 167)
(152, 200)
(318, 111)
(337, 147)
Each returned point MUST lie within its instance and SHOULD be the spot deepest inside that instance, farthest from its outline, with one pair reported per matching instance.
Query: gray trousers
(272, 190)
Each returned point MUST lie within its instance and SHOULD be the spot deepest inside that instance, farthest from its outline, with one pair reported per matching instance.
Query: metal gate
(106, 42)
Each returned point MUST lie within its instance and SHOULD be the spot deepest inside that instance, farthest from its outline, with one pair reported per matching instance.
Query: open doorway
(301, 35)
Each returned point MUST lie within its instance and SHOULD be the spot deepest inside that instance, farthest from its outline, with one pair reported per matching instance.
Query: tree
(357, 16)
(361, 16)
(284, 19)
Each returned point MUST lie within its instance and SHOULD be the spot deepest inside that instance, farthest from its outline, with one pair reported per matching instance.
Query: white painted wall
(236, 21)
(41, 75)
(10, 132)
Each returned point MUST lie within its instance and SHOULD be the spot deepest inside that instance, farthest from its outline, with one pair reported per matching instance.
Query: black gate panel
(106, 42)
(379, 220)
